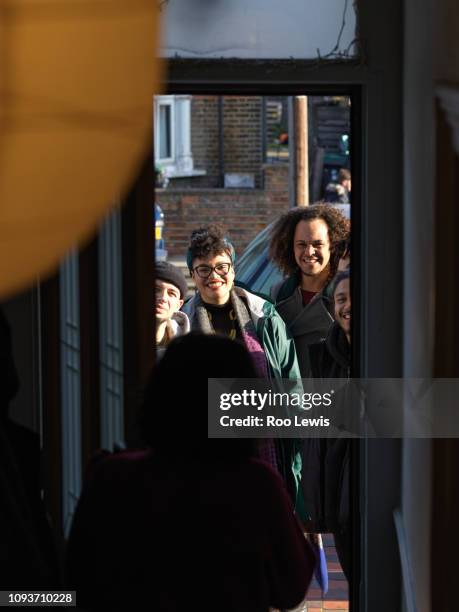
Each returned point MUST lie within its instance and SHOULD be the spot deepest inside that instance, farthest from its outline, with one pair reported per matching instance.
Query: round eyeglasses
(221, 269)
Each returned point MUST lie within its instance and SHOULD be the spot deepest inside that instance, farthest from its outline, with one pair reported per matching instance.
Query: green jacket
(270, 329)
(280, 354)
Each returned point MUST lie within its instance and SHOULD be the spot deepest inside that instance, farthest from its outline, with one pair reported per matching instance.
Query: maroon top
(307, 296)
(148, 533)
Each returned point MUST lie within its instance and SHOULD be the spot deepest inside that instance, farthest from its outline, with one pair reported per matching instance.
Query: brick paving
(337, 597)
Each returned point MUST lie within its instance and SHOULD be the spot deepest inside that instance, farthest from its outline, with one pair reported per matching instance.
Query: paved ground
(337, 597)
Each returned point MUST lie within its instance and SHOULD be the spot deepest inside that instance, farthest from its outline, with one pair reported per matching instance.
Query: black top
(331, 358)
(224, 320)
(325, 473)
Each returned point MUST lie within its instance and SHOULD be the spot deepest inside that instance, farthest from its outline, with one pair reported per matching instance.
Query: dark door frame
(375, 85)
(445, 452)
(138, 248)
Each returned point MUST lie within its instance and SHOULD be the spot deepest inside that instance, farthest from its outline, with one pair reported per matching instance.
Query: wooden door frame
(445, 452)
(138, 247)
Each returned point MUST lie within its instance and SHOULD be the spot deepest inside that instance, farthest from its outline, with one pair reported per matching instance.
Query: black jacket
(331, 357)
(306, 324)
(325, 469)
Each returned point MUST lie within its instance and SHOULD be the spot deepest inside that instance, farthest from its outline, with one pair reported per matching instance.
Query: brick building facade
(243, 212)
(230, 135)
(226, 137)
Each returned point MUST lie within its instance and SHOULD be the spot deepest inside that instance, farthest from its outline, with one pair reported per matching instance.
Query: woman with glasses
(219, 306)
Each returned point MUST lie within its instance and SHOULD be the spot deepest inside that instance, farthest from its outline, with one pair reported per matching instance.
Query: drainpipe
(221, 143)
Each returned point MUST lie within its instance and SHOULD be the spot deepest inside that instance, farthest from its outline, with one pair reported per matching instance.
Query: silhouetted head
(174, 411)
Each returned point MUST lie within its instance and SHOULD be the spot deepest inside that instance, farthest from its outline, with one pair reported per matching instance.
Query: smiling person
(326, 461)
(170, 292)
(219, 306)
(331, 358)
(306, 246)
(341, 289)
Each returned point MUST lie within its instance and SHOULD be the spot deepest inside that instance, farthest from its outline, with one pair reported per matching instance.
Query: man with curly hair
(306, 245)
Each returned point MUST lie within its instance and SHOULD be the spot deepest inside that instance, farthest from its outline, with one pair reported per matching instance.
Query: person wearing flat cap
(170, 292)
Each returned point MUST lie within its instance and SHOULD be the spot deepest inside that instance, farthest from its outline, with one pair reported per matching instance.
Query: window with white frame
(164, 129)
(172, 136)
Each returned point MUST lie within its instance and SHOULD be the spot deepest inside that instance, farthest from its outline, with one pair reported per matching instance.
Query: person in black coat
(214, 522)
(326, 461)
(27, 555)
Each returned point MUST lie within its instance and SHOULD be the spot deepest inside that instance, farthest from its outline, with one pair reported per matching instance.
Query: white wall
(256, 29)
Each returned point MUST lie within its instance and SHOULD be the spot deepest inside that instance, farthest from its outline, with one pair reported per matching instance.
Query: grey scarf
(202, 323)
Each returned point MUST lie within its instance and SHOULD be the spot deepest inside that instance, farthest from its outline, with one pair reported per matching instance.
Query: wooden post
(301, 146)
(291, 153)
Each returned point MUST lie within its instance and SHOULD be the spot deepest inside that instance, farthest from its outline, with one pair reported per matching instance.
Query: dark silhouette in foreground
(192, 522)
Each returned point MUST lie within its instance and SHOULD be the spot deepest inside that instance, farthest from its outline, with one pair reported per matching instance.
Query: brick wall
(243, 212)
(205, 140)
(242, 135)
(242, 140)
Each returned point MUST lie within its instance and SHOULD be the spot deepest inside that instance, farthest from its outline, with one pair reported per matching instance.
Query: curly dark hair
(283, 231)
(344, 248)
(337, 279)
(206, 242)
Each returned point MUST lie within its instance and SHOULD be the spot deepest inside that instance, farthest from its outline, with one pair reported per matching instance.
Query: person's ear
(181, 302)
